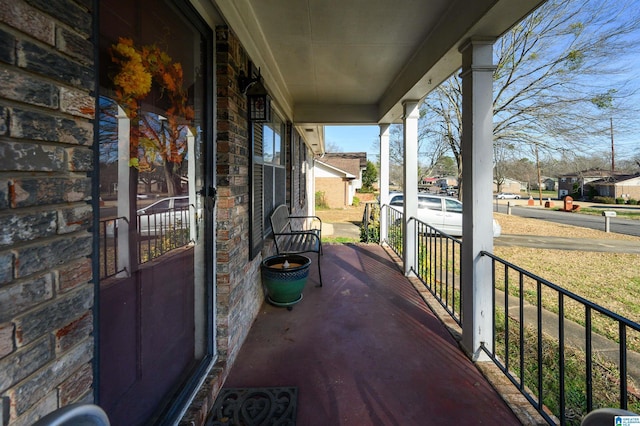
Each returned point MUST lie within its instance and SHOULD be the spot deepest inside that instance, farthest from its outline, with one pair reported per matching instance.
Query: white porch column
(410, 121)
(477, 166)
(384, 177)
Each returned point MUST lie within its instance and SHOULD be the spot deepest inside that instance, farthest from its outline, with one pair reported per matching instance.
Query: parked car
(507, 196)
(443, 213)
(163, 215)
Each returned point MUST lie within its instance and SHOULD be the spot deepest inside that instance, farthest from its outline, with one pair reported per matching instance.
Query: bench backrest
(280, 219)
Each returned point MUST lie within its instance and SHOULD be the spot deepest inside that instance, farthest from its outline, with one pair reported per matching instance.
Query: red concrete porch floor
(365, 349)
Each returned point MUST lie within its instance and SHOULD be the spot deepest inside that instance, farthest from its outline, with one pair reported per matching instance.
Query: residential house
(509, 185)
(333, 185)
(446, 181)
(229, 100)
(577, 182)
(622, 186)
(549, 184)
(338, 176)
(428, 181)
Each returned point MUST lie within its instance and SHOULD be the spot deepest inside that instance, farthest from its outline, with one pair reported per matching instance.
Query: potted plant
(284, 277)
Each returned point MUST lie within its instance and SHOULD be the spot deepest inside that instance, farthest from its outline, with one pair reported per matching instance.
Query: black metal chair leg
(319, 271)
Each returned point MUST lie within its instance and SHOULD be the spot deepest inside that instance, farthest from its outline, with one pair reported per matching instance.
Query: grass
(339, 240)
(598, 212)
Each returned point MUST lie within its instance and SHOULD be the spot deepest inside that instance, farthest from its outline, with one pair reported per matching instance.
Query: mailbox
(607, 219)
(568, 204)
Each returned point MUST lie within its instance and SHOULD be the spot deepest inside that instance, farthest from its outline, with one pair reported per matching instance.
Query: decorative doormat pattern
(255, 407)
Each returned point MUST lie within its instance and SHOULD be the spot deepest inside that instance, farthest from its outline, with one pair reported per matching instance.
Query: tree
(558, 79)
(432, 156)
(332, 147)
(144, 72)
(369, 176)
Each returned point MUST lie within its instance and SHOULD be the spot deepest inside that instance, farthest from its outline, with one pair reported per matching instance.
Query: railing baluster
(539, 337)
(506, 309)
(521, 317)
(561, 356)
(622, 347)
(589, 357)
(446, 273)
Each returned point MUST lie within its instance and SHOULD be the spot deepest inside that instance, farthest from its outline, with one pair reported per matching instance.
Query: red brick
(76, 386)
(74, 332)
(74, 274)
(27, 19)
(77, 103)
(6, 339)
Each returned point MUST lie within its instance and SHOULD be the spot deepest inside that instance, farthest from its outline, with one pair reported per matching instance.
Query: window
(453, 206)
(268, 185)
(430, 203)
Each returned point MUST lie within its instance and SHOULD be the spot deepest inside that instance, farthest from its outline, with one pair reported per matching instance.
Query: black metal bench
(292, 238)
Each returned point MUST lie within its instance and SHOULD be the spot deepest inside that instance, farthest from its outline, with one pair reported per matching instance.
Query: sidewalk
(341, 229)
(565, 243)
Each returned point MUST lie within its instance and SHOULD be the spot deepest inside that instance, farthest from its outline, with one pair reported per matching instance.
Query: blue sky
(354, 139)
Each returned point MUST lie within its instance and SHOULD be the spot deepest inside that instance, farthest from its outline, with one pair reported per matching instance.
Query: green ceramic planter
(285, 282)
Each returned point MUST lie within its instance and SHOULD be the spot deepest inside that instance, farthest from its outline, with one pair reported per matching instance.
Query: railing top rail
(442, 233)
(107, 219)
(627, 322)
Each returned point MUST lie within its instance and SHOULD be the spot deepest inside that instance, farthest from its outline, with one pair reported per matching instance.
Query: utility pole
(613, 153)
(539, 175)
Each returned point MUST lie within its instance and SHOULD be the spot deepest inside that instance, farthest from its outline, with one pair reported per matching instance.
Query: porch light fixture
(258, 100)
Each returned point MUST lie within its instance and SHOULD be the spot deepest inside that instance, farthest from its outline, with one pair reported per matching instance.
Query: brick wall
(238, 280)
(46, 136)
(335, 191)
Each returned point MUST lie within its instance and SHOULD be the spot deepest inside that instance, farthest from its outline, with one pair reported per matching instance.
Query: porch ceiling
(356, 61)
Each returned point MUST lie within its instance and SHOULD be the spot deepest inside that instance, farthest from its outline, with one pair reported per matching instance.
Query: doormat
(255, 407)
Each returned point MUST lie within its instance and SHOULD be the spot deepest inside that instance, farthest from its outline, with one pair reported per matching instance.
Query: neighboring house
(576, 182)
(339, 176)
(428, 181)
(618, 186)
(336, 185)
(446, 181)
(509, 185)
(354, 163)
(547, 184)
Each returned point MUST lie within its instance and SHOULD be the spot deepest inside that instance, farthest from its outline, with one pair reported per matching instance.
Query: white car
(164, 215)
(507, 196)
(443, 213)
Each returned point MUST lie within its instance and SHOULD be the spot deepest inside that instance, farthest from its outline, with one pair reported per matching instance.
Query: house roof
(590, 173)
(618, 178)
(351, 162)
(334, 170)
